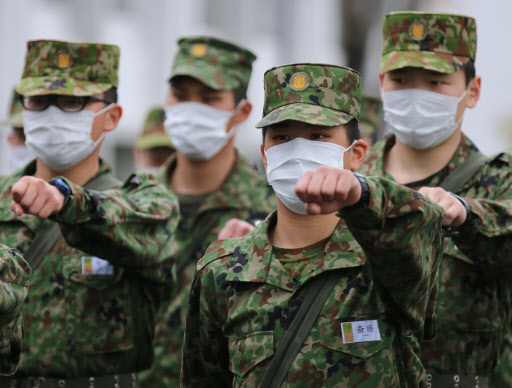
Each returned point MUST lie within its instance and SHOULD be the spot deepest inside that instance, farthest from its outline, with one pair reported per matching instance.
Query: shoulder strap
(49, 232)
(464, 172)
(299, 330)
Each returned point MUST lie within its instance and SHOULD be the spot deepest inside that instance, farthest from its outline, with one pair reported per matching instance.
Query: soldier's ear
(112, 117)
(381, 78)
(474, 90)
(357, 155)
(264, 157)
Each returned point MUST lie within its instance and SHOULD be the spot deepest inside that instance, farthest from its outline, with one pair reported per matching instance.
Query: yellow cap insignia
(418, 30)
(299, 82)
(63, 60)
(199, 50)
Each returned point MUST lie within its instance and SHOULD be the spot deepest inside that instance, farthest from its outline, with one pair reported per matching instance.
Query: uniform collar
(375, 159)
(254, 261)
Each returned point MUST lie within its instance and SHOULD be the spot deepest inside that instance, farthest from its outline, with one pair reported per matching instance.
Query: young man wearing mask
(331, 226)
(153, 146)
(428, 80)
(100, 251)
(213, 181)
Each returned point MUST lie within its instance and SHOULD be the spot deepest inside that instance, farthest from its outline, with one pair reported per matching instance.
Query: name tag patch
(92, 265)
(360, 331)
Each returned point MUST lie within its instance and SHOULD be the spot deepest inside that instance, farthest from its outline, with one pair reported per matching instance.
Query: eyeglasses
(64, 103)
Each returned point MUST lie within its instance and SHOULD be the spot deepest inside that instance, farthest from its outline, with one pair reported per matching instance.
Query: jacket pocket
(350, 344)
(99, 314)
(249, 350)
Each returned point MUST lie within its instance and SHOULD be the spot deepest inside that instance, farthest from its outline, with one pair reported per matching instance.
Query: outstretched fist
(328, 189)
(454, 211)
(37, 197)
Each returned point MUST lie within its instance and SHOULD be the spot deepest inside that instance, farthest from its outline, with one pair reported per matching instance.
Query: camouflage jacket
(246, 195)
(87, 316)
(14, 285)
(475, 293)
(242, 300)
(502, 377)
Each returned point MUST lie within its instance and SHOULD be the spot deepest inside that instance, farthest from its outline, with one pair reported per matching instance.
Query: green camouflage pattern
(371, 116)
(503, 375)
(153, 134)
(474, 307)
(218, 64)
(15, 120)
(242, 300)
(313, 93)
(14, 286)
(78, 324)
(432, 41)
(69, 68)
(244, 195)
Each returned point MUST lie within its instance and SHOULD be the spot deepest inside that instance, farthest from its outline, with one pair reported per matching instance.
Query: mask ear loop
(458, 102)
(100, 139)
(233, 130)
(104, 109)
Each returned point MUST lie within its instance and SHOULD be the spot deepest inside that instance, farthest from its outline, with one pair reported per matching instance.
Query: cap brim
(208, 75)
(36, 86)
(152, 141)
(306, 113)
(441, 62)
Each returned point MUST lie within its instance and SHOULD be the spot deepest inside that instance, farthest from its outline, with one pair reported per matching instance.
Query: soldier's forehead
(185, 81)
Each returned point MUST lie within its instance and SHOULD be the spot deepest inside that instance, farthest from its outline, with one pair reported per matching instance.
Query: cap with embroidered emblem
(317, 94)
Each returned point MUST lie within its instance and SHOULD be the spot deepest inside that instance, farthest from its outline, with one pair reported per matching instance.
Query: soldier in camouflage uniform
(214, 183)
(427, 71)
(19, 155)
(371, 115)
(89, 319)
(153, 146)
(371, 231)
(14, 285)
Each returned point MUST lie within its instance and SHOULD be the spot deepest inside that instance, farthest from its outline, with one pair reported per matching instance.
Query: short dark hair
(352, 128)
(111, 94)
(240, 93)
(469, 71)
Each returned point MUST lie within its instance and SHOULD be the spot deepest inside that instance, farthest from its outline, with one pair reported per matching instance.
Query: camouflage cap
(433, 41)
(15, 120)
(68, 68)
(312, 93)
(153, 134)
(371, 112)
(218, 64)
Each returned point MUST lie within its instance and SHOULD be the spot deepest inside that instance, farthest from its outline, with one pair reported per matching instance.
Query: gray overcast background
(344, 32)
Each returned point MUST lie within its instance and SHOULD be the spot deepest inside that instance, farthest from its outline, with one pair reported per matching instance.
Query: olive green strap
(49, 232)
(458, 177)
(299, 330)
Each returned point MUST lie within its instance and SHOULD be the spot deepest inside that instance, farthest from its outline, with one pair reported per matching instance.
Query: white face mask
(60, 139)
(287, 163)
(197, 130)
(19, 157)
(419, 118)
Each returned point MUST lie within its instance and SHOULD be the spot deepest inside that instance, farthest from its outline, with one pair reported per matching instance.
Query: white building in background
(278, 31)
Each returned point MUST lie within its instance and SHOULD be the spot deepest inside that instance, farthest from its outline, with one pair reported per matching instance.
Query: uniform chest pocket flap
(362, 336)
(92, 272)
(249, 350)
